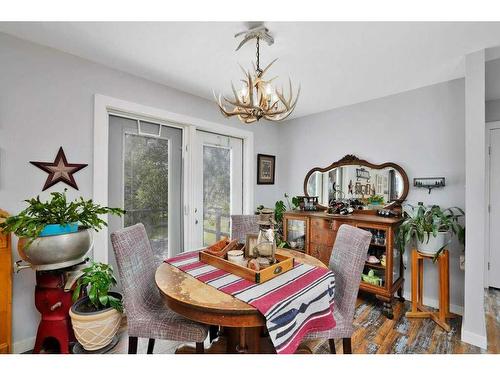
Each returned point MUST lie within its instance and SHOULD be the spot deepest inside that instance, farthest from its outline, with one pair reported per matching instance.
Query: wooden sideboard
(5, 291)
(314, 233)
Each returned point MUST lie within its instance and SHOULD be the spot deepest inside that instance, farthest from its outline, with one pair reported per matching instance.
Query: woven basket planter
(95, 330)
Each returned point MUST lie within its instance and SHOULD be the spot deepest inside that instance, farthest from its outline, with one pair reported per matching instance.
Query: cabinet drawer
(323, 231)
(321, 252)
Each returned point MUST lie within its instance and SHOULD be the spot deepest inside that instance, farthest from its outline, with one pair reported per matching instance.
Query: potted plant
(56, 233)
(431, 226)
(97, 315)
(375, 200)
(279, 210)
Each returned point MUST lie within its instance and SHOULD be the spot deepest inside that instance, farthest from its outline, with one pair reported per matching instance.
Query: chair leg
(151, 345)
(132, 345)
(346, 344)
(331, 342)
(200, 349)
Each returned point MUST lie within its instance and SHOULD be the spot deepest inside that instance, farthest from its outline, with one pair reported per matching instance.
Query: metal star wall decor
(59, 171)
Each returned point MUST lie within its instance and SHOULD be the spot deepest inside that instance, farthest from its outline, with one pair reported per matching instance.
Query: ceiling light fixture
(258, 98)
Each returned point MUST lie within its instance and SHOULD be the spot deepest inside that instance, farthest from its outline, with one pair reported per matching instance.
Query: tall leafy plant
(423, 221)
(279, 210)
(97, 280)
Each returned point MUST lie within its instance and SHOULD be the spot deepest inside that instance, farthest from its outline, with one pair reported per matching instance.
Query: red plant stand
(53, 302)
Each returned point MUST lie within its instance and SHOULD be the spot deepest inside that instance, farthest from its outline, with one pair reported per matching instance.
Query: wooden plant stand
(418, 310)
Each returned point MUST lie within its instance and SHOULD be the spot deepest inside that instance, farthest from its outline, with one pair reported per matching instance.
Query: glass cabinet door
(295, 232)
(374, 272)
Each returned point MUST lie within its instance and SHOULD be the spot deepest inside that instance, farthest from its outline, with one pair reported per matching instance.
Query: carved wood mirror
(375, 185)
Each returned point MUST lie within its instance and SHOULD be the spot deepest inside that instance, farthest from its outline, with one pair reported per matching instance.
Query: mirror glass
(374, 187)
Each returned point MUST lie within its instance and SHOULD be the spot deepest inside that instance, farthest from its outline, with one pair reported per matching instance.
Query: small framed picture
(265, 169)
(250, 243)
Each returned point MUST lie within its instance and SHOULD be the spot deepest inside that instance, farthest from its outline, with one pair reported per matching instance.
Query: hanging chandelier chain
(258, 56)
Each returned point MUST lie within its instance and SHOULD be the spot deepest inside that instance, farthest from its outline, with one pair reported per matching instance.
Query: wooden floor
(376, 334)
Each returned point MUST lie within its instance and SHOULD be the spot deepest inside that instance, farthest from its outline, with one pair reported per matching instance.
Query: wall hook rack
(429, 182)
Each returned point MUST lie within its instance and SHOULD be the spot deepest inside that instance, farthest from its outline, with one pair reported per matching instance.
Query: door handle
(196, 221)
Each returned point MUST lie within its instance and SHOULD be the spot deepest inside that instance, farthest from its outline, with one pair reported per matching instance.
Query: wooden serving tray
(285, 263)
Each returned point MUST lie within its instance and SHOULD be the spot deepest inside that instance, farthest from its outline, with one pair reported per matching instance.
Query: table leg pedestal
(233, 340)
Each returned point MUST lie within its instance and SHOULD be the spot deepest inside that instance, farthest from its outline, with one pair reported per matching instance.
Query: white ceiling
(336, 63)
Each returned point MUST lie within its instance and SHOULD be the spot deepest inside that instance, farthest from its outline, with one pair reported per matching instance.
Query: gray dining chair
(241, 225)
(347, 261)
(147, 314)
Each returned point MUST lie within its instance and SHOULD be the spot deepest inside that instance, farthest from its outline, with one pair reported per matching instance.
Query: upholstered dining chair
(241, 225)
(147, 314)
(347, 261)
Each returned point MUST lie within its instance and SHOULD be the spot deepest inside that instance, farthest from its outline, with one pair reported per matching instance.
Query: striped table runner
(294, 303)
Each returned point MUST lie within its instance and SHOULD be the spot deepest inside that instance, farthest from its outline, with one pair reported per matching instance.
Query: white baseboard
(23, 345)
(474, 339)
(431, 302)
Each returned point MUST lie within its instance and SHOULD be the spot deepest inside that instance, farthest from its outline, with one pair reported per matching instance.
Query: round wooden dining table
(241, 326)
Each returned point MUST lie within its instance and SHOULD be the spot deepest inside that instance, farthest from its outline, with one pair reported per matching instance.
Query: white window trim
(105, 105)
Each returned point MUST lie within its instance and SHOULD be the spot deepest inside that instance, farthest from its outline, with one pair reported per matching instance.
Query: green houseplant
(375, 199)
(31, 222)
(96, 316)
(431, 226)
(56, 233)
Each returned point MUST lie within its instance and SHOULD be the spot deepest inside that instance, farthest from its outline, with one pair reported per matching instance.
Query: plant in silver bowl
(56, 233)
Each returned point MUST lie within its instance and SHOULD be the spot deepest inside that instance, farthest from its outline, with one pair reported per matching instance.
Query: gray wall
(421, 130)
(46, 101)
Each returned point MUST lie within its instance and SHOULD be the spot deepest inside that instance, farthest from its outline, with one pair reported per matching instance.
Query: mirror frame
(354, 160)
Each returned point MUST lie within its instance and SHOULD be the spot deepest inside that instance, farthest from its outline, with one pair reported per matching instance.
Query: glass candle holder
(266, 244)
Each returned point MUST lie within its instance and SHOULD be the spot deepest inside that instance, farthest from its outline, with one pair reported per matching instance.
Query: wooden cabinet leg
(400, 292)
(388, 310)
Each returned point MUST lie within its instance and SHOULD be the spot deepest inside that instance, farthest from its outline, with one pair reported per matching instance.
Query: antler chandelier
(258, 98)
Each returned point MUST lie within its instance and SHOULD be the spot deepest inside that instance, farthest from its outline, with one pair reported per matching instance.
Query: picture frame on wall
(265, 169)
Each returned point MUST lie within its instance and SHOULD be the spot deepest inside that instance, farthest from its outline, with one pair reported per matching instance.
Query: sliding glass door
(219, 192)
(145, 178)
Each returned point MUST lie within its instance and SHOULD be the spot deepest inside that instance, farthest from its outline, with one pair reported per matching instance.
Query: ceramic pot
(430, 245)
(95, 330)
(54, 252)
